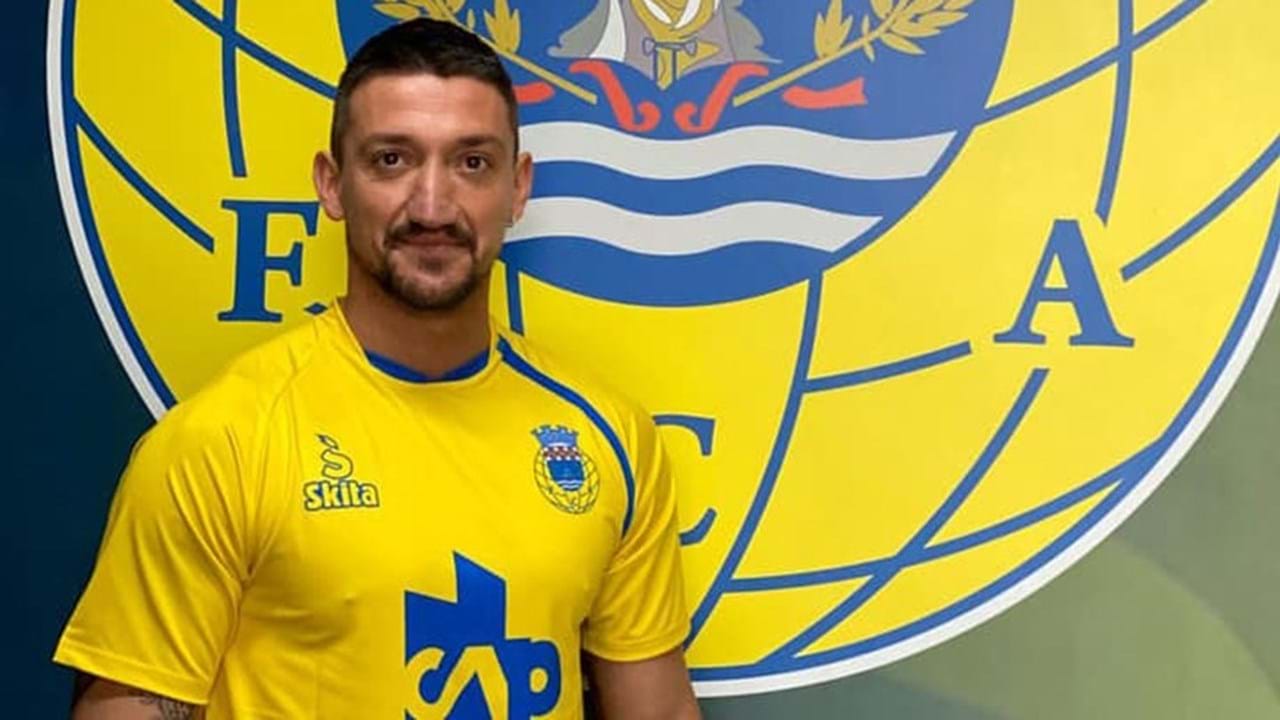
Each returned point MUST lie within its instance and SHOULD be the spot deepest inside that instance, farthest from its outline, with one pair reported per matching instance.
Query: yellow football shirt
(312, 537)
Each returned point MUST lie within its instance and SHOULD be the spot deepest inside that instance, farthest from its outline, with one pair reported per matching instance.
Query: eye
(475, 163)
(389, 159)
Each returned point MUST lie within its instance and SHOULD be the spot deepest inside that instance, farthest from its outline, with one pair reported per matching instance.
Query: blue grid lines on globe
(79, 119)
(233, 44)
(1096, 498)
(1106, 491)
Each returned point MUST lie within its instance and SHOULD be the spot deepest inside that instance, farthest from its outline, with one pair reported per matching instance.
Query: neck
(433, 342)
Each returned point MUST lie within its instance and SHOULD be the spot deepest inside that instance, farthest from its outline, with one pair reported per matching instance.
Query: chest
(464, 514)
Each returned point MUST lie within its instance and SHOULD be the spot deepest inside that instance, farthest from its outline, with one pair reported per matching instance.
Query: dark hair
(426, 46)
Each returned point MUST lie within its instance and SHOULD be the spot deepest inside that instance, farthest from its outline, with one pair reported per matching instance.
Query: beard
(424, 283)
(402, 281)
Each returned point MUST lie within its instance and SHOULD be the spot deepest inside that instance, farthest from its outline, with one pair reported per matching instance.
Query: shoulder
(230, 409)
(579, 385)
(205, 466)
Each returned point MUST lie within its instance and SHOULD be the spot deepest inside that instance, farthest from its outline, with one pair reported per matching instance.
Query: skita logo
(338, 490)
(459, 662)
(927, 296)
(565, 475)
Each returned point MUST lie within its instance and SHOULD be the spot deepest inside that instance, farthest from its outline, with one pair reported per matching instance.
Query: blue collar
(396, 370)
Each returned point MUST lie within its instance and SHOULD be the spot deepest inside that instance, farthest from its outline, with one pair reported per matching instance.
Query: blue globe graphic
(850, 194)
(950, 98)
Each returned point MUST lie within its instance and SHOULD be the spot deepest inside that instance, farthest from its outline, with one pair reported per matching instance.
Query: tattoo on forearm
(169, 709)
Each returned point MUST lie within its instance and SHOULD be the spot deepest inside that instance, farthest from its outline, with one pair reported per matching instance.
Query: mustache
(409, 230)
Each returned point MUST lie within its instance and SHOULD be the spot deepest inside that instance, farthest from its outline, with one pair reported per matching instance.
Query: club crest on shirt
(337, 490)
(566, 476)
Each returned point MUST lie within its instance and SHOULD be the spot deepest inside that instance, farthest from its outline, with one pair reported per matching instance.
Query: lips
(417, 235)
(431, 241)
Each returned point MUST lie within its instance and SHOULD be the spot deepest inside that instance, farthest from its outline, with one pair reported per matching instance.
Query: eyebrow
(480, 139)
(386, 138)
(467, 141)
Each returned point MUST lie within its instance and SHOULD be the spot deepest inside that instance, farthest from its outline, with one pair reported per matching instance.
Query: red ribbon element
(715, 103)
(534, 93)
(846, 95)
(623, 111)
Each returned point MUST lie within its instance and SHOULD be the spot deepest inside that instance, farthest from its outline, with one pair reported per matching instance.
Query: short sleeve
(161, 603)
(639, 612)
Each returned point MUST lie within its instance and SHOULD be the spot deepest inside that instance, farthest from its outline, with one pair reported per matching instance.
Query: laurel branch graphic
(503, 34)
(897, 24)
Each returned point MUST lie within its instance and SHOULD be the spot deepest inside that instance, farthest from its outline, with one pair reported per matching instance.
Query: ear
(327, 178)
(524, 185)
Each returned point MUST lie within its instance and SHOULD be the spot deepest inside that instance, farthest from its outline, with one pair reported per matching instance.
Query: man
(398, 509)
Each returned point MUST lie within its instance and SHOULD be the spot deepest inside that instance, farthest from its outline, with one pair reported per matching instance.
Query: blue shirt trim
(523, 367)
(398, 371)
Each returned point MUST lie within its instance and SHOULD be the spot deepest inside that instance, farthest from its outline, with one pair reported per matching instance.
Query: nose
(432, 199)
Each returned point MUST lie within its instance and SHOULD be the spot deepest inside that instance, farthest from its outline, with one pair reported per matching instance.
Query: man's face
(429, 181)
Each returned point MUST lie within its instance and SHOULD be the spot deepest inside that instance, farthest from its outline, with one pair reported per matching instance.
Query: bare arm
(653, 689)
(98, 699)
